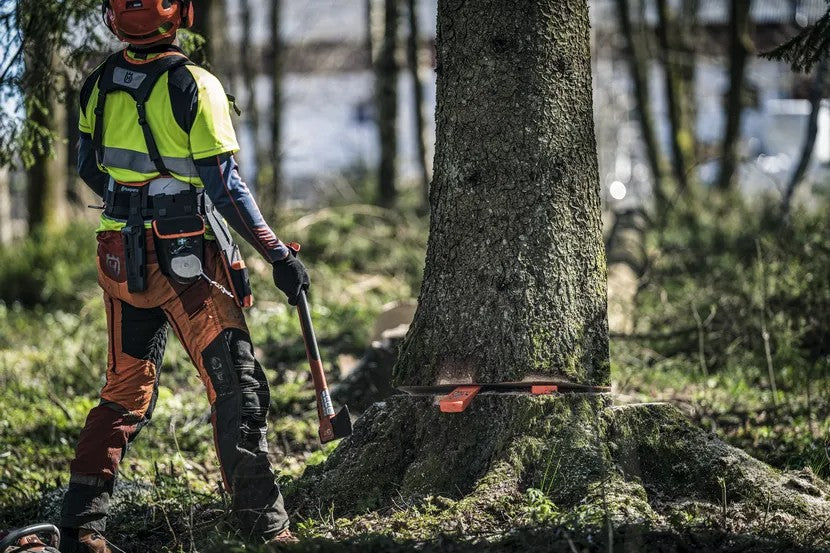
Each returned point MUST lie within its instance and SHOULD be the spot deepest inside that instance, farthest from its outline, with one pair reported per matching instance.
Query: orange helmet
(146, 21)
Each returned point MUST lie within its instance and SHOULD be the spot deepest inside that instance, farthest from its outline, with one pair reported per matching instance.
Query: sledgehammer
(331, 426)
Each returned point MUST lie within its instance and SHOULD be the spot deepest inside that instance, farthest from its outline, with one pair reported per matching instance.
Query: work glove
(291, 277)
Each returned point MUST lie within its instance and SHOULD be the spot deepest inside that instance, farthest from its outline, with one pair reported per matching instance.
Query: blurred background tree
(341, 111)
(386, 78)
(44, 45)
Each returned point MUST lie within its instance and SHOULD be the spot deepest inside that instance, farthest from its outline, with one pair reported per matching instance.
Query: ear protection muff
(187, 13)
(106, 15)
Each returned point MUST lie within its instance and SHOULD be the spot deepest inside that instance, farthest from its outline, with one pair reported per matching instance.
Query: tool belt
(177, 213)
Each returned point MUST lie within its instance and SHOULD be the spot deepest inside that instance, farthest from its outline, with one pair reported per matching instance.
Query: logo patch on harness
(127, 78)
(134, 4)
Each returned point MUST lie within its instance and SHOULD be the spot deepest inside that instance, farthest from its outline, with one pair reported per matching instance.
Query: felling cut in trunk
(514, 292)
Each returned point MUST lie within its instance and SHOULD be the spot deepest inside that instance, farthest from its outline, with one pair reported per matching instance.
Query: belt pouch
(135, 245)
(180, 247)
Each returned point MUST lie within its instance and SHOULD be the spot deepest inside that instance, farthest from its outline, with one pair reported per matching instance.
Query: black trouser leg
(239, 415)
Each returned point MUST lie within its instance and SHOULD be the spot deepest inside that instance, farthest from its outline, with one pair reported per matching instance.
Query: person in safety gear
(158, 146)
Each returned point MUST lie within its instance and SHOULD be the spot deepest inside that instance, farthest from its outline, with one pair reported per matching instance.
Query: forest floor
(52, 347)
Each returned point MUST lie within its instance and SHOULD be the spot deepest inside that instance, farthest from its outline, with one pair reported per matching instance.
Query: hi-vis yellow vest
(124, 149)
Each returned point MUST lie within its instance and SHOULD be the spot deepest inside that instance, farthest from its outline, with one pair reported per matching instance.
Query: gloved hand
(291, 277)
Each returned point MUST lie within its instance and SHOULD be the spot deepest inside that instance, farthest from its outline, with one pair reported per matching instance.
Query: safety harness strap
(137, 81)
(187, 203)
(98, 131)
(152, 147)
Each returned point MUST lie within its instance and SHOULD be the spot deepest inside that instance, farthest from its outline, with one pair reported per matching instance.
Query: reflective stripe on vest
(140, 162)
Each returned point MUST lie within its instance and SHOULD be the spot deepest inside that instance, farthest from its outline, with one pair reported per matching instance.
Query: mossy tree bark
(514, 462)
(514, 285)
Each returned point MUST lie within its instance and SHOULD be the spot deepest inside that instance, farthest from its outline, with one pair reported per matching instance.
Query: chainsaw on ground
(29, 539)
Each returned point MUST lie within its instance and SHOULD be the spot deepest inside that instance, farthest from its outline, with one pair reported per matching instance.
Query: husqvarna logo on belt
(114, 265)
(128, 77)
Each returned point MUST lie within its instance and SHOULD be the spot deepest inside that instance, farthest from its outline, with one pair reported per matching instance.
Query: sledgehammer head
(338, 426)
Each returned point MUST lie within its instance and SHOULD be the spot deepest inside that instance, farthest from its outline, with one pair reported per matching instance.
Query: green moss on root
(569, 461)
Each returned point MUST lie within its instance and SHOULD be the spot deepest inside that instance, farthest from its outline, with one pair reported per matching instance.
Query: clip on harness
(178, 220)
(234, 264)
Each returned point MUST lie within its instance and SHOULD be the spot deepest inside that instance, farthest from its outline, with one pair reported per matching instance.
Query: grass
(53, 346)
(738, 408)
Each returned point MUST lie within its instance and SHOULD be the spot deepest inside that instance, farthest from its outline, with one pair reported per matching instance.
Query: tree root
(574, 462)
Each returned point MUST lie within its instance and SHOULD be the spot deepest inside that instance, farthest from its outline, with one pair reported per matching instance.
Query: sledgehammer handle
(324, 405)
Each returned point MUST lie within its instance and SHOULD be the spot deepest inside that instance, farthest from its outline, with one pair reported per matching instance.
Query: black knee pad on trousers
(255, 396)
(240, 412)
(241, 387)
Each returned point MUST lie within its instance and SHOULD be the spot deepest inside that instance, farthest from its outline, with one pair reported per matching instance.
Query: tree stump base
(569, 460)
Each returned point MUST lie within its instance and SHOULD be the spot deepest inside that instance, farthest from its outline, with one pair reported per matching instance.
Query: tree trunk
(740, 45)
(816, 93)
(412, 51)
(637, 58)
(5, 206)
(250, 71)
(77, 193)
(636, 467)
(202, 27)
(514, 285)
(374, 29)
(46, 174)
(688, 37)
(210, 21)
(270, 193)
(386, 83)
(673, 57)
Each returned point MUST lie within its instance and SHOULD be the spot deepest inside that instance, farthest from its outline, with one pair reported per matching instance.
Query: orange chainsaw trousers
(211, 327)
